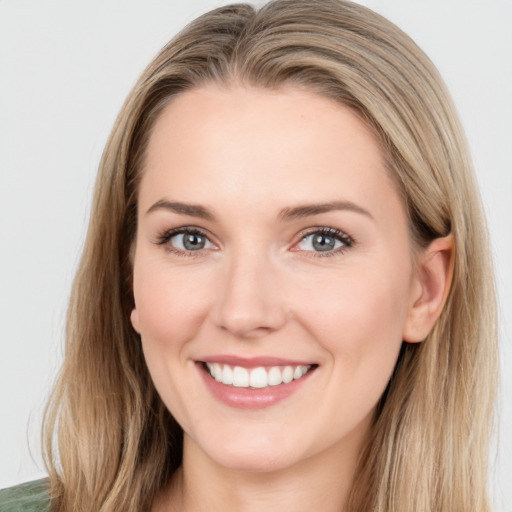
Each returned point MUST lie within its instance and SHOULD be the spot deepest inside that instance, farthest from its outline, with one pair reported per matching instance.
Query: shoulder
(28, 497)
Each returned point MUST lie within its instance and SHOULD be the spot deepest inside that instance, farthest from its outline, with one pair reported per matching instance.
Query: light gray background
(65, 69)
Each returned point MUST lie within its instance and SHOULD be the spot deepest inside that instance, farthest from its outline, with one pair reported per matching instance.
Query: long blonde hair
(110, 442)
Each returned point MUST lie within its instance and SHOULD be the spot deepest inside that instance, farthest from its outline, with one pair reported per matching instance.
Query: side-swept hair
(110, 442)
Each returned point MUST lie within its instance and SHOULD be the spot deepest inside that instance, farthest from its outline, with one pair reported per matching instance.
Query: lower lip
(250, 398)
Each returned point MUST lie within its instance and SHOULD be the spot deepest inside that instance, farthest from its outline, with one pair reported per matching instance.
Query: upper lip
(253, 362)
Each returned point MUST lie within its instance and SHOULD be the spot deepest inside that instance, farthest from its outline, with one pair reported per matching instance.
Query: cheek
(170, 305)
(359, 299)
(358, 318)
(171, 309)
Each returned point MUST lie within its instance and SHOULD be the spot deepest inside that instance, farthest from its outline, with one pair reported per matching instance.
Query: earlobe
(134, 318)
(433, 280)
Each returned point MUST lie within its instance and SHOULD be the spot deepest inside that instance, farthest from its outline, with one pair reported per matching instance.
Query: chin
(251, 462)
(261, 454)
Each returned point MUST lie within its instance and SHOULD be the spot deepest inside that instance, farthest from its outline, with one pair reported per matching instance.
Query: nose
(250, 303)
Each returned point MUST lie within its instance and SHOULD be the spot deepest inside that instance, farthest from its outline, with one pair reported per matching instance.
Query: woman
(285, 297)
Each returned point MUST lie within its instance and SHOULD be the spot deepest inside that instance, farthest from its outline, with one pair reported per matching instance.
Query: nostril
(245, 330)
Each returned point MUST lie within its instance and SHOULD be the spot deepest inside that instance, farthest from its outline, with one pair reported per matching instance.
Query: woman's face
(272, 251)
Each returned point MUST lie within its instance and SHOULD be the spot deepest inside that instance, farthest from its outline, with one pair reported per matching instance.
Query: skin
(259, 288)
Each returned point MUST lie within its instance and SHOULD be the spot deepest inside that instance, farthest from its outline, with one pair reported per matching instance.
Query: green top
(29, 497)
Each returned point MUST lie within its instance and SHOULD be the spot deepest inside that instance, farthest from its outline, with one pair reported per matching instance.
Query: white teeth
(287, 374)
(227, 375)
(256, 377)
(240, 377)
(217, 372)
(274, 376)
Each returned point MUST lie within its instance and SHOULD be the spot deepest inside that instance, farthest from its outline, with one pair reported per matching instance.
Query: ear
(429, 291)
(134, 318)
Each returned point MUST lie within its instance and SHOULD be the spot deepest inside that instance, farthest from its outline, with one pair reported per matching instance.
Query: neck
(320, 482)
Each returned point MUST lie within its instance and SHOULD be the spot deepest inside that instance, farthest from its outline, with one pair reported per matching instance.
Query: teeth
(217, 372)
(287, 374)
(274, 376)
(256, 377)
(227, 375)
(240, 377)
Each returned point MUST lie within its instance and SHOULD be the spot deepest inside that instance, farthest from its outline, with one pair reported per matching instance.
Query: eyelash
(346, 240)
(166, 236)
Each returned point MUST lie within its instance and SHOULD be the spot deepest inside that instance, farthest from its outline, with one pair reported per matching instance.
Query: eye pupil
(193, 242)
(323, 242)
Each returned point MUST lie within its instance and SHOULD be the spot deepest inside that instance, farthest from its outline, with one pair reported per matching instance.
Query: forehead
(265, 145)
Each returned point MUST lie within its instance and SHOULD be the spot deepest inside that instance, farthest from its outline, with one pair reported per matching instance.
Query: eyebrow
(192, 210)
(308, 210)
(287, 214)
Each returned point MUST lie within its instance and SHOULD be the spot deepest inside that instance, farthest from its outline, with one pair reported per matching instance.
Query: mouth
(260, 377)
(254, 382)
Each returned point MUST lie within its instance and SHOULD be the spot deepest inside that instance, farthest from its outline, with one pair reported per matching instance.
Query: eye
(189, 241)
(185, 240)
(325, 240)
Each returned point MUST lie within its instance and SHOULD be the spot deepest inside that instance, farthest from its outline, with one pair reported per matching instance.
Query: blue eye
(185, 240)
(324, 240)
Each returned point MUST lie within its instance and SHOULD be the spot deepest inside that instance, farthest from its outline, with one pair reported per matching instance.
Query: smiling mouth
(256, 378)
